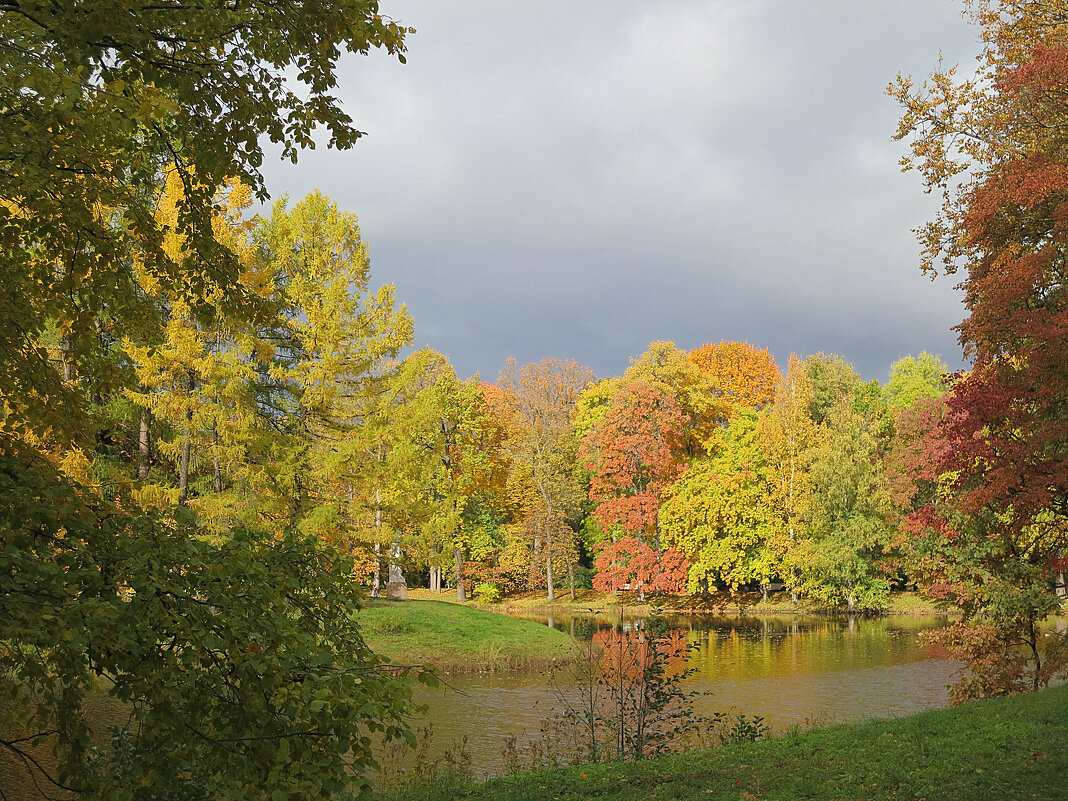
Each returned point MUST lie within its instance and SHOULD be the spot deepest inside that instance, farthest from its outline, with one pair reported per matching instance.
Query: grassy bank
(724, 603)
(459, 639)
(1006, 748)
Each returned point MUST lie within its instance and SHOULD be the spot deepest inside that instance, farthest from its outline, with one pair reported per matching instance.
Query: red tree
(631, 564)
(996, 537)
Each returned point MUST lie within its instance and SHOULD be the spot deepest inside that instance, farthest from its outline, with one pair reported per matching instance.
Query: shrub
(487, 593)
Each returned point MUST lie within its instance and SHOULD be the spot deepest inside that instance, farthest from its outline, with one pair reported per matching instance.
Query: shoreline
(1008, 747)
(912, 604)
(456, 639)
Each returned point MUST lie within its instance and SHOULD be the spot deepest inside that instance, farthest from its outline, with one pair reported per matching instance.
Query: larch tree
(195, 373)
(332, 356)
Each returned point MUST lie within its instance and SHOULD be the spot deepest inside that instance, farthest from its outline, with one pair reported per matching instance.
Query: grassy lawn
(456, 638)
(1006, 748)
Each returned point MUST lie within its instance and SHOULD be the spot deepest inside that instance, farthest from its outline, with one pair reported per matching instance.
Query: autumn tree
(240, 662)
(790, 437)
(629, 563)
(699, 398)
(740, 375)
(633, 456)
(196, 368)
(438, 437)
(719, 513)
(333, 352)
(993, 146)
(843, 560)
(542, 446)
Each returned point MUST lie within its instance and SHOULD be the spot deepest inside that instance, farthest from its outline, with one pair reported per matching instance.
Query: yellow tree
(335, 350)
(718, 513)
(438, 439)
(668, 369)
(791, 438)
(194, 374)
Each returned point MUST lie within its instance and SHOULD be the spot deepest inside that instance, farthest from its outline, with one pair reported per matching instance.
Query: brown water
(791, 670)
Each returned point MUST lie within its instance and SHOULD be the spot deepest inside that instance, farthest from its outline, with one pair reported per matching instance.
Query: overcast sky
(577, 179)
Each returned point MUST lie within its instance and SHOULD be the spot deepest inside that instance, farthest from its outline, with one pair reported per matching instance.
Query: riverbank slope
(1003, 748)
(455, 638)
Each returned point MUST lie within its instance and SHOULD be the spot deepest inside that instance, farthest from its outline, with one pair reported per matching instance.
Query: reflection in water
(788, 669)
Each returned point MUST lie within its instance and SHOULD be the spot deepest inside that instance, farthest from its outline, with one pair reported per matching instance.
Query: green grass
(1006, 748)
(459, 639)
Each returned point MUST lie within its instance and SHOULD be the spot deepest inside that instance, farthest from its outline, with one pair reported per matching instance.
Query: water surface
(790, 670)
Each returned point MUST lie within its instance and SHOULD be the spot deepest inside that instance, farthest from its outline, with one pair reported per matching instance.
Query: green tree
(915, 377)
(840, 562)
(240, 660)
(791, 437)
(719, 513)
(833, 378)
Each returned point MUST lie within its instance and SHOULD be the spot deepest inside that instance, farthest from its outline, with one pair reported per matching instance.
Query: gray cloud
(578, 179)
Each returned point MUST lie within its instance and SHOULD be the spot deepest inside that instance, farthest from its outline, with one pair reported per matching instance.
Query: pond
(801, 670)
(789, 669)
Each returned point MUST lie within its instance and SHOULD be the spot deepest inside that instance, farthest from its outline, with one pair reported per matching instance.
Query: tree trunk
(376, 580)
(187, 444)
(215, 466)
(571, 579)
(183, 463)
(459, 554)
(549, 577)
(144, 445)
(68, 368)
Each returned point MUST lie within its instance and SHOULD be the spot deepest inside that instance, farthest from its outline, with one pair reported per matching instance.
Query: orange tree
(633, 457)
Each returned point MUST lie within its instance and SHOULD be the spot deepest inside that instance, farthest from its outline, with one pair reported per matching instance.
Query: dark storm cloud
(578, 179)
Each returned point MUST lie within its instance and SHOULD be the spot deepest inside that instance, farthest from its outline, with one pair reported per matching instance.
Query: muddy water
(790, 670)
